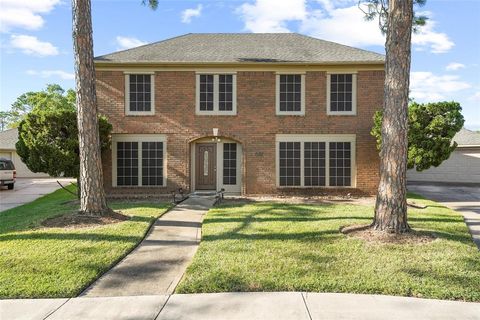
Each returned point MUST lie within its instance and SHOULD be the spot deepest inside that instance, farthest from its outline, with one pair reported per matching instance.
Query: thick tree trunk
(92, 200)
(391, 204)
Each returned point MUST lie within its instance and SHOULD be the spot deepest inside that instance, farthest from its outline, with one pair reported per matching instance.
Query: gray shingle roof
(466, 138)
(243, 48)
(8, 138)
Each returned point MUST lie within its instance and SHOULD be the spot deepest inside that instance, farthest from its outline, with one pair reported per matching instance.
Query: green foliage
(153, 4)
(48, 133)
(378, 9)
(432, 127)
(4, 119)
(53, 97)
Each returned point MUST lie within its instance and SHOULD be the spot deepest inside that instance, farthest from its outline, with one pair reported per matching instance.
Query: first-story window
(127, 163)
(290, 162)
(340, 164)
(216, 94)
(315, 163)
(152, 163)
(138, 162)
(230, 163)
(139, 94)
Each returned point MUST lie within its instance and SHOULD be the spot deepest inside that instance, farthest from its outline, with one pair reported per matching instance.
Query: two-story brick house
(250, 113)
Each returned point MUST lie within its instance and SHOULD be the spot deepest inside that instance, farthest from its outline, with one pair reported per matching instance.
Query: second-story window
(216, 94)
(139, 94)
(290, 94)
(341, 94)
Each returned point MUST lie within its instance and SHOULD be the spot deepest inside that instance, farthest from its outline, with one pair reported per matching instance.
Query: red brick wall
(255, 125)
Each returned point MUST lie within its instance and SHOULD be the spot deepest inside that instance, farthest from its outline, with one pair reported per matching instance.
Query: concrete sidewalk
(159, 262)
(28, 189)
(251, 306)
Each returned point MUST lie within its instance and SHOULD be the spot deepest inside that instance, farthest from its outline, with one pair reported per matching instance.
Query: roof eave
(468, 146)
(100, 63)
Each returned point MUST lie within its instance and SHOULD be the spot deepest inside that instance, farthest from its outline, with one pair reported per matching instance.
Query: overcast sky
(36, 42)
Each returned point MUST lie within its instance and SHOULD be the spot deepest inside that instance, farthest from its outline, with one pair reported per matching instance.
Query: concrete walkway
(250, 306)
(28, 189)
(462, 198)
(159, 262)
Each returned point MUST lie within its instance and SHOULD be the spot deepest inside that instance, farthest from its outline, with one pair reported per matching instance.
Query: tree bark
(391, 203)
(92, 200)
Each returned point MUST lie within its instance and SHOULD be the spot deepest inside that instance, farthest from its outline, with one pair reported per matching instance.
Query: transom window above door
(342, 94)
(290, 94)
(216, 94)
(139, 94)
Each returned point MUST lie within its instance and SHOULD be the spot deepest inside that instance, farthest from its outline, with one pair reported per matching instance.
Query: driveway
(462, 198)
(29, 189)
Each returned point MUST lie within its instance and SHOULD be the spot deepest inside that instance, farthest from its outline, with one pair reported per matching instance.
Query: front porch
(216, 163)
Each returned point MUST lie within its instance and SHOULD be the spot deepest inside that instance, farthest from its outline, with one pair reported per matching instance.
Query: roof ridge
(146, 44)
(339, 44)
(243, 47)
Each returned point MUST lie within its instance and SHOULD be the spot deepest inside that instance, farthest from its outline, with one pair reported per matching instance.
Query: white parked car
(7, 173)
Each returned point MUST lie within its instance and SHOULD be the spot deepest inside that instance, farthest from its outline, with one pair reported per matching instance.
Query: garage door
(7, 155)
(23, 171)
(463, 166)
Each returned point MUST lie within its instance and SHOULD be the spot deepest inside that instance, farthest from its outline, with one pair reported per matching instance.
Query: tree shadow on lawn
(298, 236)
(20, 221)
(63, 236)
(249, 213)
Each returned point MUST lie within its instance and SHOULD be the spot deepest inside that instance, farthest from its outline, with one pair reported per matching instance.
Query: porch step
(204, 193)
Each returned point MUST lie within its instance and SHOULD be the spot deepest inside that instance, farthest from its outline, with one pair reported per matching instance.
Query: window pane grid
(290, 92)
(340, 164)
(127, 163)
(290, 163)
(229, 163)
(206, 92)
(152, 163)
(341, 92)
(225, 92)
(314, 164)
(140, 92)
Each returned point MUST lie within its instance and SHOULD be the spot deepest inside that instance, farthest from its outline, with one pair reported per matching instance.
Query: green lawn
(287, 247)
(40, 262)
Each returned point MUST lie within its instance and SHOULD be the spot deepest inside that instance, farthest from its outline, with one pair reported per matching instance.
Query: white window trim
(277, 96)
(127, 95)
(216, 93)
(327, 138)
(354, 95)
(138, 138)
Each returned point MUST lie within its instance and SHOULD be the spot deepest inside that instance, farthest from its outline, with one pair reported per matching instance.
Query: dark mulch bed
(77, 220)
(365, 232)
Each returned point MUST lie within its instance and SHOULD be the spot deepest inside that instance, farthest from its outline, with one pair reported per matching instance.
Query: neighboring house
(249, 113)
(463, 165)
(8, 139)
